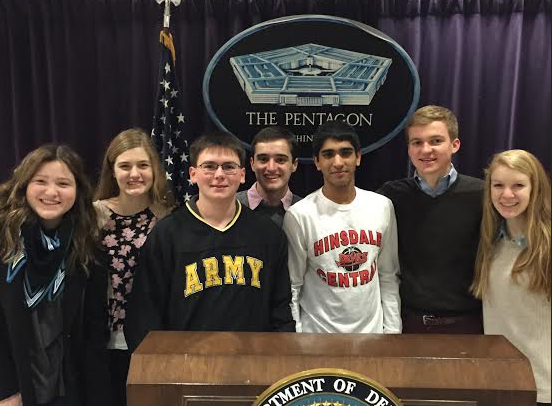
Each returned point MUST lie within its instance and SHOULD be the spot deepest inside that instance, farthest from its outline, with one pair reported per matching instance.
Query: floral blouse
(123, 236)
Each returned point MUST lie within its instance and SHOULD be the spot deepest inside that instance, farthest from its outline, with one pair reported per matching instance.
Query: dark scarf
(42, 261)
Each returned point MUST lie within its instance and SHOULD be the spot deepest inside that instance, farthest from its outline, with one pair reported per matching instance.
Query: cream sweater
(521, 316)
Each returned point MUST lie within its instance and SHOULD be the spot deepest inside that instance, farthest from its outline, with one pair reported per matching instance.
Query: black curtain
(80, 71)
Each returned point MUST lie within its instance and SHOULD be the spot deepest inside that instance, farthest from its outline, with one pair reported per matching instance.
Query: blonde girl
(513, 259)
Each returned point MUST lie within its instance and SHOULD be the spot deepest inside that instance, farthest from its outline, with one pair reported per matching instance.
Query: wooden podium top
(203, 343)
(396, 361)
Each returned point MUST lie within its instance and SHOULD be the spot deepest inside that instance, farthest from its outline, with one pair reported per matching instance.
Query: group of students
(80, 272)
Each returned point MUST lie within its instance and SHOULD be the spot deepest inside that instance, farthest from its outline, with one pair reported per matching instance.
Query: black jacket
(172, 289)
(85, 338)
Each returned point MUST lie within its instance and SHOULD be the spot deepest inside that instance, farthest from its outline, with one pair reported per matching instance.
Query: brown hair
(428, 114)
(129, 139)
(534, 260)
(15, 210)
(215, 139)
(276, 133)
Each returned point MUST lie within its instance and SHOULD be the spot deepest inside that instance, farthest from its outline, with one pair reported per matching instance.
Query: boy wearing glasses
(212, 265)
(274, 160)
(343, 260)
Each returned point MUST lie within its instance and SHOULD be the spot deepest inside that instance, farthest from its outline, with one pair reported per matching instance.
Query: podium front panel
(231, 369)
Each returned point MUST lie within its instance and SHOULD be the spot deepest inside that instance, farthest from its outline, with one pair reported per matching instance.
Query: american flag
(169, 132)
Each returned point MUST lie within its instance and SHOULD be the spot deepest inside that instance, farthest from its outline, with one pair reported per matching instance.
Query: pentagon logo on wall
(310, 75)
(300, 71)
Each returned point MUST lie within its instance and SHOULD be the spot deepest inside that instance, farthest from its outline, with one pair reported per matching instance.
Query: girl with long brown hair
(131, 196)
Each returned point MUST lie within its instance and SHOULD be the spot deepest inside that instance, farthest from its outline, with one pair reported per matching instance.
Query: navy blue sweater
(438, 238)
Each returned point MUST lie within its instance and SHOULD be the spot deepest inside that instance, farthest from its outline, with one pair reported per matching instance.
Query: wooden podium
(231, 369)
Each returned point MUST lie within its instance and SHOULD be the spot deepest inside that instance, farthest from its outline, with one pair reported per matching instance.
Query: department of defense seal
(327, 387)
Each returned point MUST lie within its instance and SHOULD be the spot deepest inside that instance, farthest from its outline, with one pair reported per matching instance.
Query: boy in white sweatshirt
(342, 244)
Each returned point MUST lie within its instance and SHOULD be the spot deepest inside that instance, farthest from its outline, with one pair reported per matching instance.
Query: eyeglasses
(229, 168)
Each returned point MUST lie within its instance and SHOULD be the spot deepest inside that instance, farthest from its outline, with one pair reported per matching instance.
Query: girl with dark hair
(52, 291)
(132, 196)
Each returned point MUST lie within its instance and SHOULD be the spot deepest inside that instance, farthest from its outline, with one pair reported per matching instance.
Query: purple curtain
(78, 72)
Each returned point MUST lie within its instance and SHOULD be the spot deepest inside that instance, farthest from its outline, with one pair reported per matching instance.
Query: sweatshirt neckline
(339, 206)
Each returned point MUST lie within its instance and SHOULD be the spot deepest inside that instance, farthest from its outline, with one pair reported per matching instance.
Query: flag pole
(167, 12)
(167, 16)
(165, 36)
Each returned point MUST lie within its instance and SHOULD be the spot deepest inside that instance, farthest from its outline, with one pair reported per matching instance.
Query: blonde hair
(15, 210)
(428, 114)
(129, 139)
(534, 260)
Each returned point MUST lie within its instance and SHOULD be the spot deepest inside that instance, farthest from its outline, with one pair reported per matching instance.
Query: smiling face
(218, 186)
(133, 172)
(430, 149)
(273, 166)
(510, 193)
(51, 193)
(337, 160)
